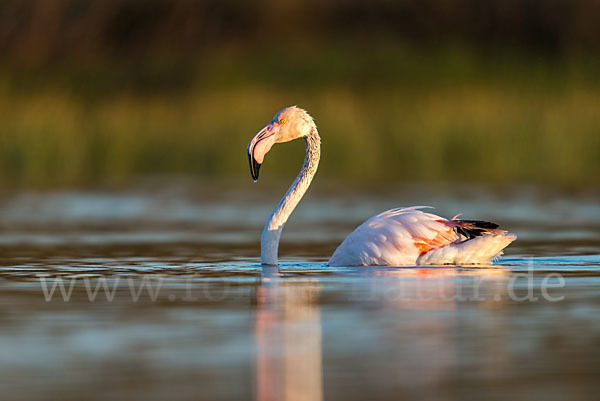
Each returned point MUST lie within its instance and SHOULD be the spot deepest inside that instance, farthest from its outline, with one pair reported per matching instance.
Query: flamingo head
(288, 124)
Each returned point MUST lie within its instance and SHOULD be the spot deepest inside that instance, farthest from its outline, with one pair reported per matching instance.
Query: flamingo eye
(282, 121)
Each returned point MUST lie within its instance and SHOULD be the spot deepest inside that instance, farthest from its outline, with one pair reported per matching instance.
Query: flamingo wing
(410, 236)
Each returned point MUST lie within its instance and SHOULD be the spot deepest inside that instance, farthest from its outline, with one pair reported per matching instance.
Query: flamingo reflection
(288, 339)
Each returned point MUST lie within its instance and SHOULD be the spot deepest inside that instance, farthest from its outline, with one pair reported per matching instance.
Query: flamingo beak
(259, 146)
(254, 167)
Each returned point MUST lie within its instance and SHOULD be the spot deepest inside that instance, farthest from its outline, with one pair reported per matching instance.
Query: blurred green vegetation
(387, 108)
(392, 114)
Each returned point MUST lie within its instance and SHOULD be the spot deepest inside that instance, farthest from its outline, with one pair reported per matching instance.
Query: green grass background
(385, 112)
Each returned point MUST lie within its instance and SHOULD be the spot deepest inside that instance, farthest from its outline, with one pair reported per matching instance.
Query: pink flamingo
(397, 237)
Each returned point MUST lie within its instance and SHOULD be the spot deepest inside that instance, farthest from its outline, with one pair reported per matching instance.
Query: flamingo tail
(475, 228)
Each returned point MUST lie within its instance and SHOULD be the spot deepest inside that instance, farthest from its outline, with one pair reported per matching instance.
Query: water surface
(184, 310)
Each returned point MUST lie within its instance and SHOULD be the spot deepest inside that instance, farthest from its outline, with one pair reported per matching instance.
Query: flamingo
(396, 237)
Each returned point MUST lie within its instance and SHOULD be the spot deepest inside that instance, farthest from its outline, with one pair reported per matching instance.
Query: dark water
(183, 309)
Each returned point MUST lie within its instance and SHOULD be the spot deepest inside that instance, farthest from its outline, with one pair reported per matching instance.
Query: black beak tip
(254, 167)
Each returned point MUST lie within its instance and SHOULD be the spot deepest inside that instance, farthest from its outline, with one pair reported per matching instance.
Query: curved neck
(269, 242)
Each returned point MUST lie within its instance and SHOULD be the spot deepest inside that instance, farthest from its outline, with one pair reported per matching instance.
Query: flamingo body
(409, 236)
